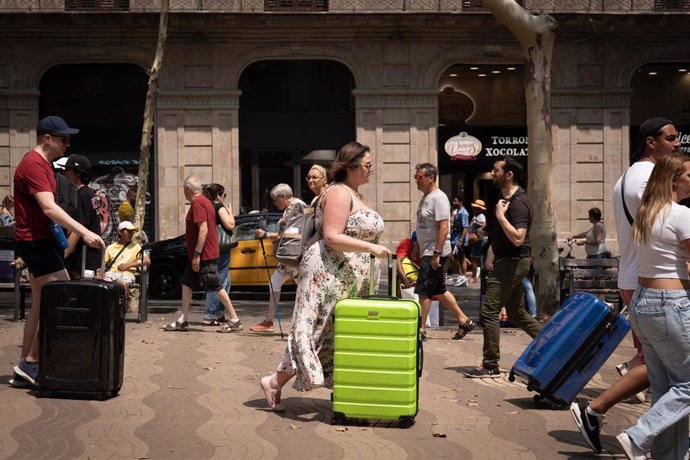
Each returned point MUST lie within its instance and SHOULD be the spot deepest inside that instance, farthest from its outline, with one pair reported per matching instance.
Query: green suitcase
(378, 357)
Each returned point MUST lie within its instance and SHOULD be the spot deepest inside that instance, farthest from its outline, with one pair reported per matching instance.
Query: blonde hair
(658, 195)
(321, 171)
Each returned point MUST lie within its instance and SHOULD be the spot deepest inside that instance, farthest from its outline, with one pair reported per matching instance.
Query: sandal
(177, 326)
(211, 322)
(271, 394)
(464, 329)
(422, 336)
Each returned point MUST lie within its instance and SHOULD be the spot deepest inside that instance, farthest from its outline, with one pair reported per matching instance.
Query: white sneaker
(460, 281)
(631, 450)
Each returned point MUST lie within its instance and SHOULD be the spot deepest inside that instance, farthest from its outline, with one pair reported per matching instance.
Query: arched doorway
(106, 103)
(293, 113)
(487, 103)
(661, 90)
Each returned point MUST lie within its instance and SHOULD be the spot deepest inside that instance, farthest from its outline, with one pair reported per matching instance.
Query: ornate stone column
(592, 148)
(18, 119)
(196, 133)
(400, 127)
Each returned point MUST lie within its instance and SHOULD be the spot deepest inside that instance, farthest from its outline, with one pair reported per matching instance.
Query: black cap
(649, 127)
(79, 163)
(54, 125)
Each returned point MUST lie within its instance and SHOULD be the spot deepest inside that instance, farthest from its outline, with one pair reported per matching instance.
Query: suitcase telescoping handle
(392, 275)
(83, 262)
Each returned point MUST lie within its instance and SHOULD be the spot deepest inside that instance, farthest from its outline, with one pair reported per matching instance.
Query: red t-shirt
(201, 211)
(33, 174)
(404, 249)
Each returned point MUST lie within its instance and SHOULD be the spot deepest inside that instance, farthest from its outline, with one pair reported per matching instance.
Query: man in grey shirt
(433, 224)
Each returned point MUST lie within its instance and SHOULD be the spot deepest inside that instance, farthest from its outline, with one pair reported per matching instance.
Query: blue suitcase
(570, 349)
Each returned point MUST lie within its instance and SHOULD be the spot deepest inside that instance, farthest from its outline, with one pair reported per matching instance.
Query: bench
(596, 276)
(20, 289)
(138, 288)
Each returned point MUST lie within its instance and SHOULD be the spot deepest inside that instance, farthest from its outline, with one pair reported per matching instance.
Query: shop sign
(502, 146)
(463, 147)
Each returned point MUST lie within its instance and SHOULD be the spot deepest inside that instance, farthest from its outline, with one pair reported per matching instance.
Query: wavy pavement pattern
(175, 405)
(232, 427)
(112, 433)
(17, 406)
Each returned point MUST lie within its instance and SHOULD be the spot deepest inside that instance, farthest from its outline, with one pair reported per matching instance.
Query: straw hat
(479, 204)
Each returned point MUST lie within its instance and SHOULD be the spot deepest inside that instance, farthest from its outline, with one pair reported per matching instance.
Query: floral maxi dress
(326, 276)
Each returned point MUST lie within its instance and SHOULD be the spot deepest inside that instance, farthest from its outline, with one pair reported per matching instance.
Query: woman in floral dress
(334, 268)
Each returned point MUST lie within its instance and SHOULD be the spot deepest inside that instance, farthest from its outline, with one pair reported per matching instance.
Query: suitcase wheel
(406, 422)
(537, 398)
(115, 392)
(338, 418)
(511, 377)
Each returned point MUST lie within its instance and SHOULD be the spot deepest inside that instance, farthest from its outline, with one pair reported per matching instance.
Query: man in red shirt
(202, 252)
(35, 210)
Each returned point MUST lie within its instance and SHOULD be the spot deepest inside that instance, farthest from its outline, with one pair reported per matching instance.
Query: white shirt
(663, 255)
(635, 182)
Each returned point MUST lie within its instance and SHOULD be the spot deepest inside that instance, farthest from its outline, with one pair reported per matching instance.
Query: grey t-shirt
(433, 208)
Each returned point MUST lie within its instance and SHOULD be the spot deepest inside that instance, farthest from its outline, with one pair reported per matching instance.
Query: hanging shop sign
(463, 147)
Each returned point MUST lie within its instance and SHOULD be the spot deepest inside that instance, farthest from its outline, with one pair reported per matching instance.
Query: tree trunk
(146, 134)
(536, 35)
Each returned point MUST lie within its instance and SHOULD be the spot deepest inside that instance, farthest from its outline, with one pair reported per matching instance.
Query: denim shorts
(207, 276)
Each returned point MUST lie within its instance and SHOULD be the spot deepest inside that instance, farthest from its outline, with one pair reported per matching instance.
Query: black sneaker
(484, 373)
(588, 424)
(28, 371)
(18, 381)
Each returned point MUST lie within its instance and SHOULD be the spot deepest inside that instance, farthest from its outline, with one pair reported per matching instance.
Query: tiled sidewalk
(195, 395)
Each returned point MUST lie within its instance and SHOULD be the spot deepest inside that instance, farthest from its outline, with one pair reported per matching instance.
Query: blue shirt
(460, 222)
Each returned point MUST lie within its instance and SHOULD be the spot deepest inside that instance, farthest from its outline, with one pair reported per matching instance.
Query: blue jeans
(661, 320)
(530, 298)
(213, 305)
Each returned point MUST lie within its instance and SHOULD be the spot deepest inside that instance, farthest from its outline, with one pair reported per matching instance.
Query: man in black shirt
(78, 170)
(508, 263)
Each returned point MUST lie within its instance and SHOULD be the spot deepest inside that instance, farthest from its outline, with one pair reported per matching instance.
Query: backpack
(298, 234)
(66, 196)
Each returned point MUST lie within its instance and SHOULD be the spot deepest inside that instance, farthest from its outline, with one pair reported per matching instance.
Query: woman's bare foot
(272, 394)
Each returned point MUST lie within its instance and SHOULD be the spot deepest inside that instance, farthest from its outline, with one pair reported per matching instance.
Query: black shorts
(207, 276)
(41, 257)
(431, 281)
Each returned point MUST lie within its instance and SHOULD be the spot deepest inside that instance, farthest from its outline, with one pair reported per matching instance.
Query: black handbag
(226, 240)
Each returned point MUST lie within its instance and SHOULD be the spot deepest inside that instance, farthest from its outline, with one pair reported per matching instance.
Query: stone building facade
(397, 54)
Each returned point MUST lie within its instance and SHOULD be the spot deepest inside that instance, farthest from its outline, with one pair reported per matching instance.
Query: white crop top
(663, 255)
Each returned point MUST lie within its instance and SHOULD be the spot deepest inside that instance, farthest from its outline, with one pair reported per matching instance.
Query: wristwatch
(197, 254)
(437, 253)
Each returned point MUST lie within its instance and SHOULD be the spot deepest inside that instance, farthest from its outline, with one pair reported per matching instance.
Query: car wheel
(164, 281)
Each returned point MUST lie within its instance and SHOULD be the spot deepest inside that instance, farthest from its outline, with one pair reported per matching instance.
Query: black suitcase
(82, 337)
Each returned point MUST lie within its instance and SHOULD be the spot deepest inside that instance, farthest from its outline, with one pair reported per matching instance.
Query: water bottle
(59, 235)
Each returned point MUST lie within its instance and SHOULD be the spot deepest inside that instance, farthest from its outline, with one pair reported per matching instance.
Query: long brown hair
(348, 157)
(658, 195)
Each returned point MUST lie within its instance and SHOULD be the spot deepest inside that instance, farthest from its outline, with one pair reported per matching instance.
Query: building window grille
(670, 5)
(468, 5)
(97, 5)
(296, 5)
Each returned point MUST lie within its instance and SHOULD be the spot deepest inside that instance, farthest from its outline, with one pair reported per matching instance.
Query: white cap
(59, 164)
(125, 224)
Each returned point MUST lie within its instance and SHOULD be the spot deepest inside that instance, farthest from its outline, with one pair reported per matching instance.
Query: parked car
(247, 265)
